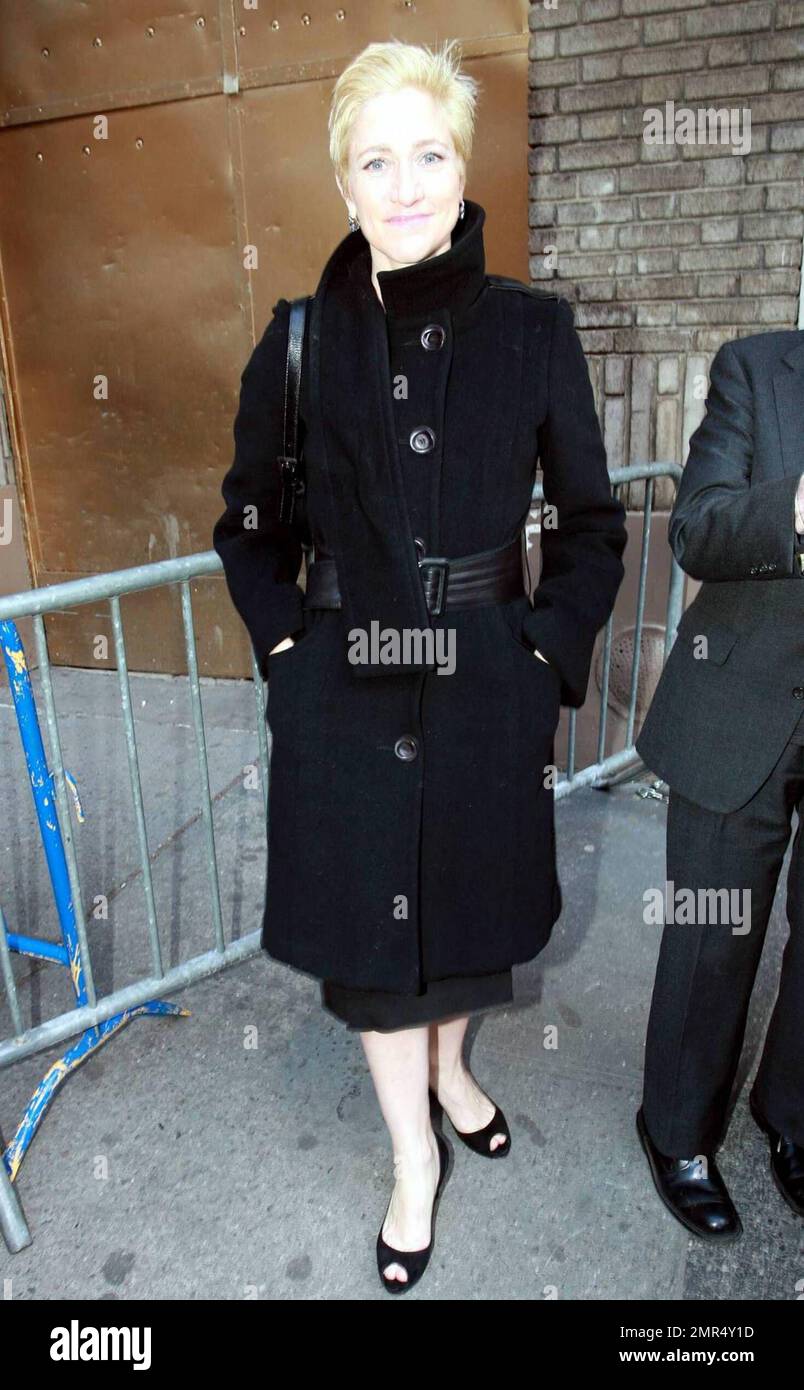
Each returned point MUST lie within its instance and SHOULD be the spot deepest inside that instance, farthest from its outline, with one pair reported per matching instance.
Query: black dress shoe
(786, 1161)
(701, 1203)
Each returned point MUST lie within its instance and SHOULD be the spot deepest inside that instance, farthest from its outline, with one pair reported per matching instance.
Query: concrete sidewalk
(240, 1152)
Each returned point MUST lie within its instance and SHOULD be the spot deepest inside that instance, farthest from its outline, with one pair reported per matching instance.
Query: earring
(460, 214)
(353, 224)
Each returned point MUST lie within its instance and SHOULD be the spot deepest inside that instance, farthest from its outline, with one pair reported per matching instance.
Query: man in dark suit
(725, 730)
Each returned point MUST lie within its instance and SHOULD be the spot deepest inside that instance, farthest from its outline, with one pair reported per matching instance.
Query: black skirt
(377, 1010)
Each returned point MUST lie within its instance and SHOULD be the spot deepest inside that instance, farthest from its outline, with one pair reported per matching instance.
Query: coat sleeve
(722, 527)
(261, 555)
(582, 567)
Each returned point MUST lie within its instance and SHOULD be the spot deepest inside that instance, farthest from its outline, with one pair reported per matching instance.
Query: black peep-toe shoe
(414, 1262)
(478, 1140)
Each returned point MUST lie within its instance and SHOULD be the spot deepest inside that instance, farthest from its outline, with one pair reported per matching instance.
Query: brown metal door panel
(294, 214)
(498, 173)
(285, 41)
(61, 59)
(122, 263)
(58, 60)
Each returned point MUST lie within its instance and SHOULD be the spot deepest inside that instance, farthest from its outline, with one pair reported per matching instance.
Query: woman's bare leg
(467, 1106)
(398, 1063)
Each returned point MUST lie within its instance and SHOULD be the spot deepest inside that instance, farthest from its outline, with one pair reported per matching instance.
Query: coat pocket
(706, 639)
(511, 614)
(293, 656)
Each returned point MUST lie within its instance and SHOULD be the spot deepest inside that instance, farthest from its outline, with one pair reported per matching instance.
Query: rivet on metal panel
(305, 19)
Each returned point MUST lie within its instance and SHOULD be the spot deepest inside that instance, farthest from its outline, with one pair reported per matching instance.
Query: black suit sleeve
(722, 527)
(261, 555)
(582, 567)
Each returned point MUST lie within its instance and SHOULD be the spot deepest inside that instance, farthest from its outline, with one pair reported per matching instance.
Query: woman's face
(405, 178)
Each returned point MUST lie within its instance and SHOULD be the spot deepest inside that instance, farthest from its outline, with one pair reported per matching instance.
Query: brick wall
(666, 250)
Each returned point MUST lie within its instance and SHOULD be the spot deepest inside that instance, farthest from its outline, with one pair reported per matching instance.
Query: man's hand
(800, 507)
(281, 646)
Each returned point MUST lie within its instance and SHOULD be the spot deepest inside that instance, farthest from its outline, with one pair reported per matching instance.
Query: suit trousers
(706, 971)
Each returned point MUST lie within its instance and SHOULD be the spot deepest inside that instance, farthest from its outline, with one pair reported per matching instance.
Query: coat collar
(453, 280)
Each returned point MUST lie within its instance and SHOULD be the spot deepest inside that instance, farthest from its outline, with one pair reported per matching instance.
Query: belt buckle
(441, 564)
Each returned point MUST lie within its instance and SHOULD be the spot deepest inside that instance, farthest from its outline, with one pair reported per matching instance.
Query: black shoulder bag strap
(293, 482)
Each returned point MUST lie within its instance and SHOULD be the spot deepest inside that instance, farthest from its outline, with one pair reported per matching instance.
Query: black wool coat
(392, 864)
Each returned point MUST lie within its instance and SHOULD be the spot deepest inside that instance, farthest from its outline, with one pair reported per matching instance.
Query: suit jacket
(724, 709)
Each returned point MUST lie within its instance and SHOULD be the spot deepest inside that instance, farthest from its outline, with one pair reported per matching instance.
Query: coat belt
(467, 581)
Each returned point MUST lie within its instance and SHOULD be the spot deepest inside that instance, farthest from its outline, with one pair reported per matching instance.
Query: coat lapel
(788, 389)
(353, 433)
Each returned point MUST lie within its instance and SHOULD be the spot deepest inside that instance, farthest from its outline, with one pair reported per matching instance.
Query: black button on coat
(410, 833)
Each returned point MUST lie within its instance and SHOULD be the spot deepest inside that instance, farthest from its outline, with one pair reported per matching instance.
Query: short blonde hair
(387, 67)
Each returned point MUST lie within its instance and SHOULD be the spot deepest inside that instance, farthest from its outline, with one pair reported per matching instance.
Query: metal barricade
(96, 1020)
(606, 769)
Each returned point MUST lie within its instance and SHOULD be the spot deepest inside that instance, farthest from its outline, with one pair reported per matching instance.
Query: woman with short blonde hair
(414, 687)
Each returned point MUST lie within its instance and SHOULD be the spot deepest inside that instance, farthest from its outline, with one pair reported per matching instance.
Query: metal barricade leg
(12, 1220)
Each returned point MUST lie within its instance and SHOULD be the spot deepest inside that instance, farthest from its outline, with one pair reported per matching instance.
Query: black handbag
(294, 484)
